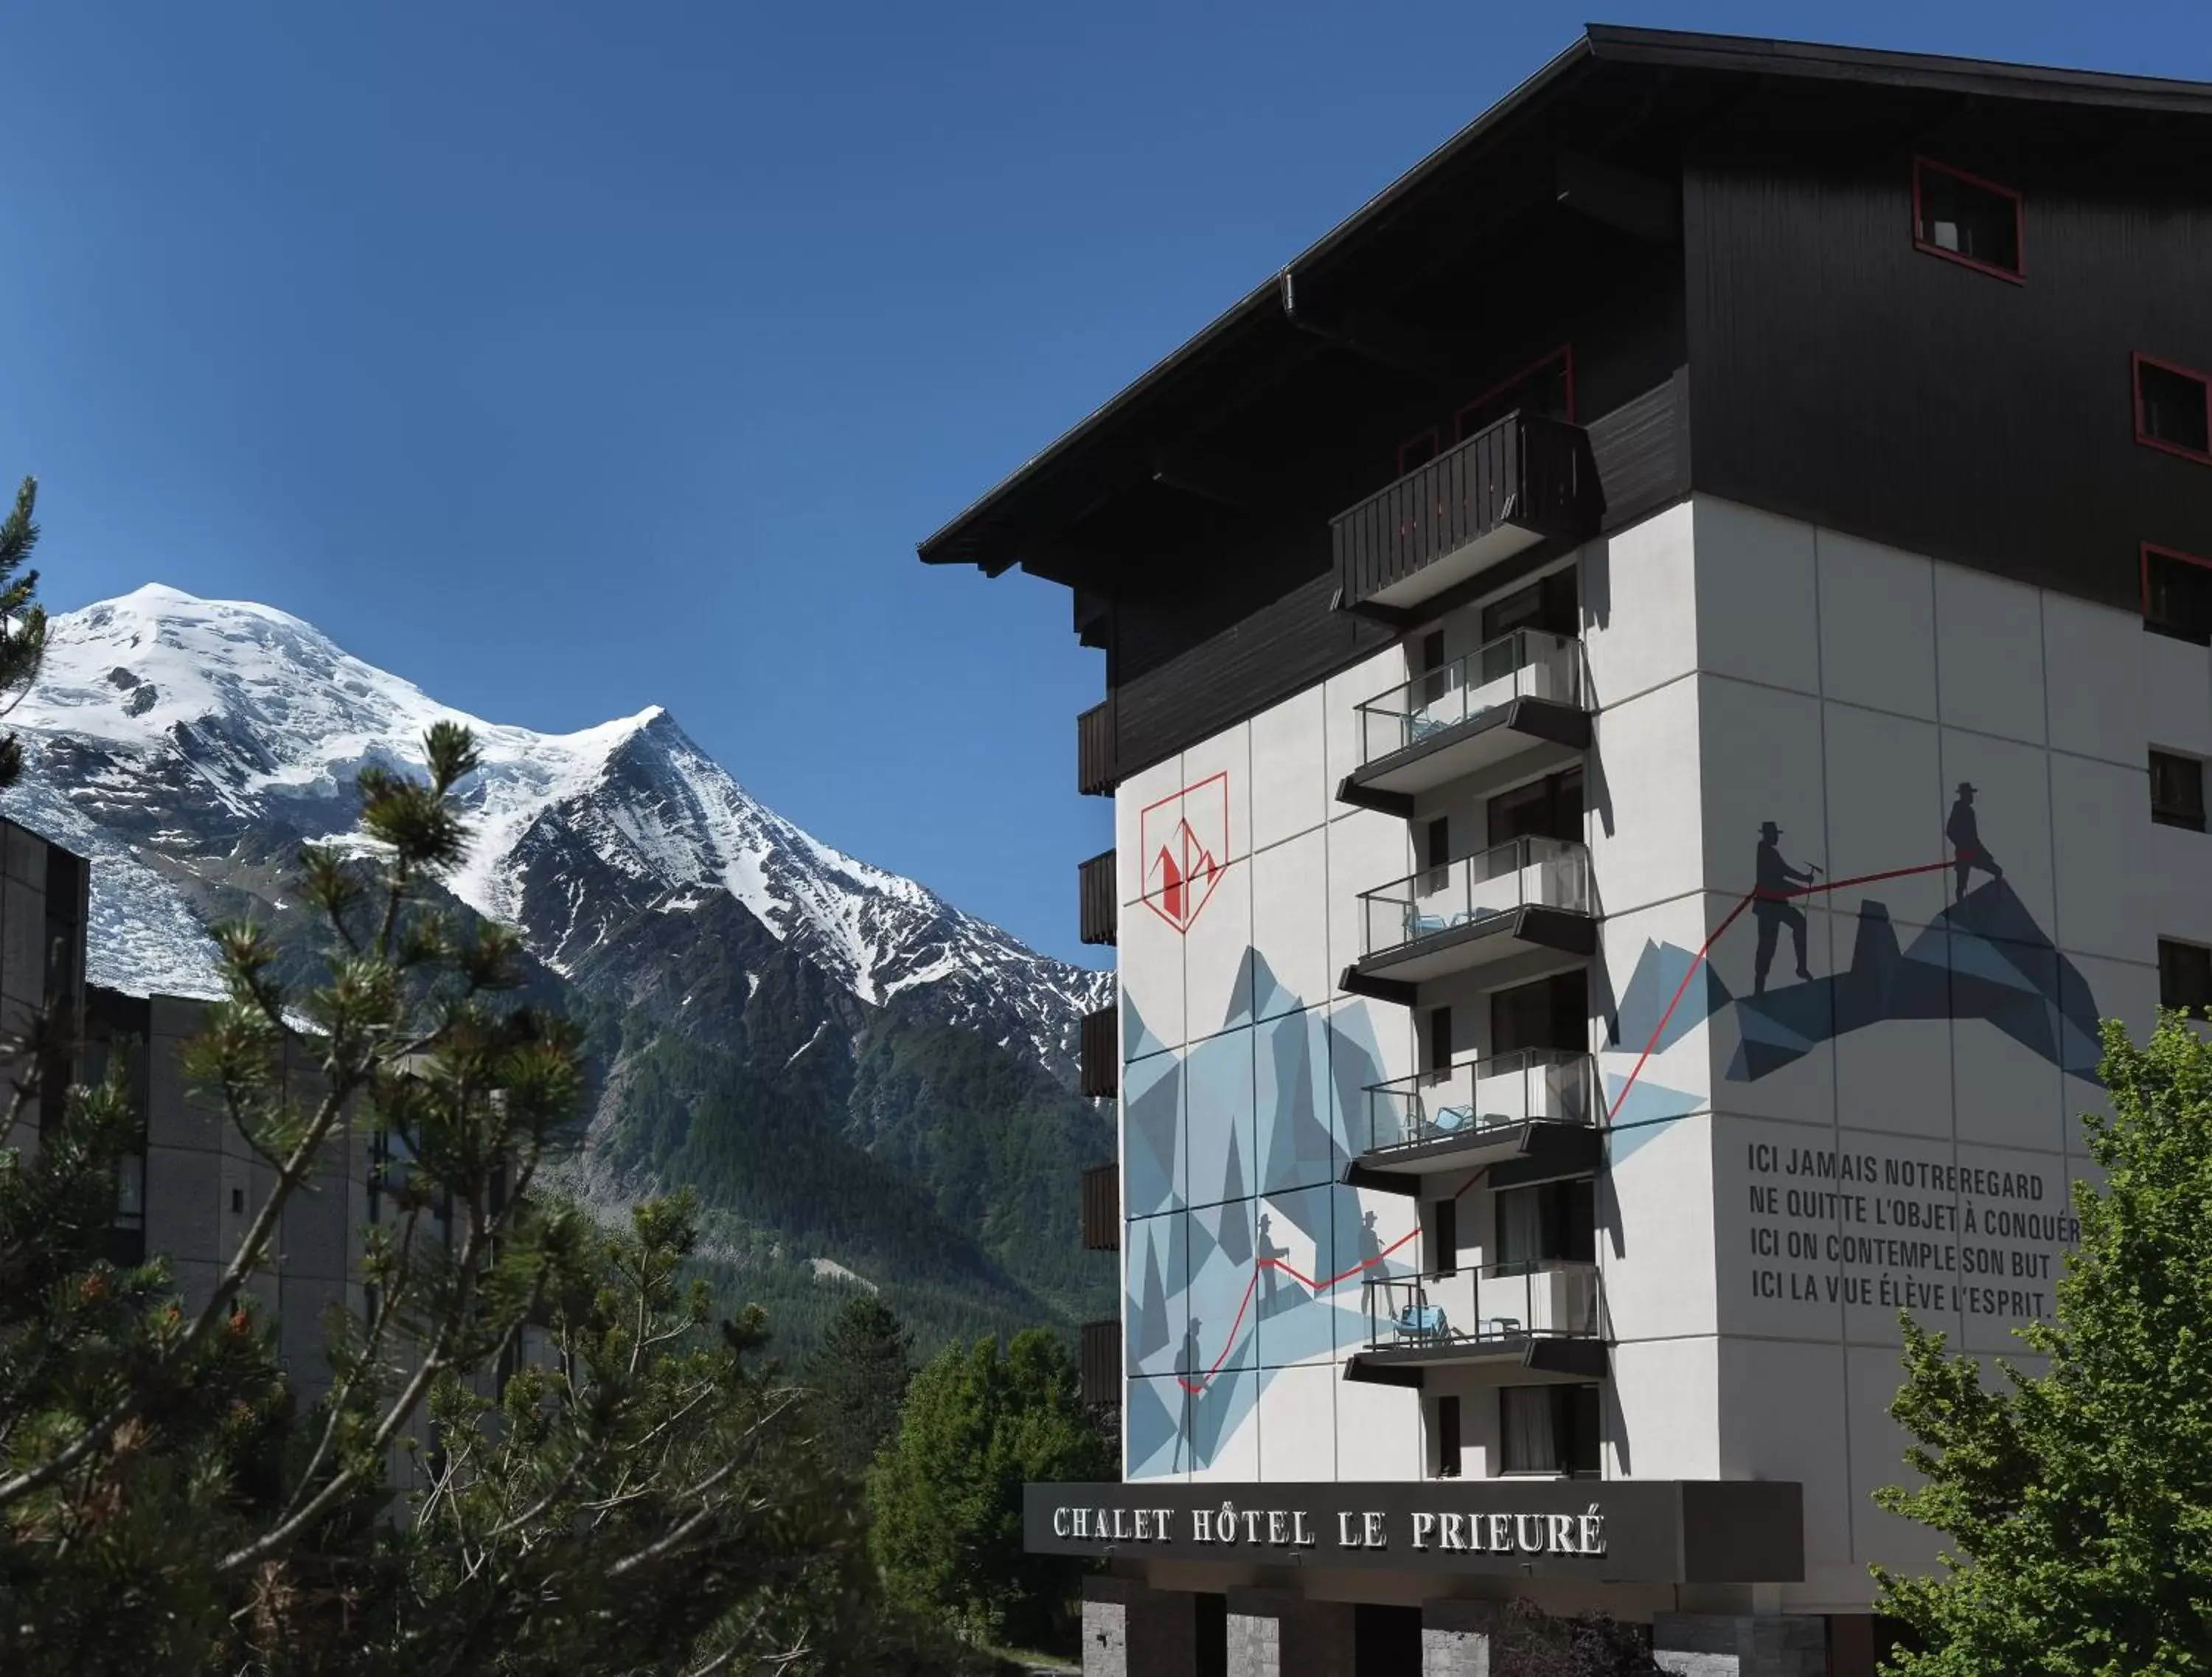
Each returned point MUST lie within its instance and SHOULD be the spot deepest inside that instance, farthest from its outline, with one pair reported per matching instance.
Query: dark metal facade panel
(1928, 406)
(1100, 1362)
(1100, 904)
(1100, 1058)
(1102, 1208)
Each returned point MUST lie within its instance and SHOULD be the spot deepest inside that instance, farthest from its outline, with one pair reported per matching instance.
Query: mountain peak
(171, 737)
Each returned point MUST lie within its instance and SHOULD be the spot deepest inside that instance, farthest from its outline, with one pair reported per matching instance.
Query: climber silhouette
(1371, 1243)
(1192, 1361)
(1964, 832)
(1771, 909)
(1266, 1249)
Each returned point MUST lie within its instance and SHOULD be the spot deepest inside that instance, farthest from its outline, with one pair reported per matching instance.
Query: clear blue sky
(571, 357)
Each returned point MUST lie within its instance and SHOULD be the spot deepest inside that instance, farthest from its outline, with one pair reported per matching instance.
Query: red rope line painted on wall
(1197, 1387)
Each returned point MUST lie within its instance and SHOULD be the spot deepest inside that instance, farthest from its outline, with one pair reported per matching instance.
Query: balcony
(1548, 1315)
(1099, 1359)
(1530, 894)
(1097, 744)
(1099, 911)
(1516, 708)
(1539, 1105)
(1098, 1073)
(1102, 1208)
(1520, 482)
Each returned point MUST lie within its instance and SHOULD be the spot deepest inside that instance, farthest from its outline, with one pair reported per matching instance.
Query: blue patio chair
(1421, 1323)
(1450, 1118)
(1503, 1328)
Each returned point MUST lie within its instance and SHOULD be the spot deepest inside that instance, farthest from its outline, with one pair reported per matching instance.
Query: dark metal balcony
(1516, 708)
(1101, 908)
(1531, 894)
(1099, 1359)
(1537, 1105)
(1096, 743)
(1519, 483)
(1548, 1315)
(1102, 1208)
(1100, 1057)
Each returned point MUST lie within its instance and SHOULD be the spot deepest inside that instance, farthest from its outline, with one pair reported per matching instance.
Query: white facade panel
(1877, 626)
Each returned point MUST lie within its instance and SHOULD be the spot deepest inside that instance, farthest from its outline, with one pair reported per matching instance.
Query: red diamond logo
(1183, 838)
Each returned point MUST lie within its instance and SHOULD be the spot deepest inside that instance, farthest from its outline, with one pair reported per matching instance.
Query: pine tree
(22, 619)
(947, 1495)
(2079, 1501)
(859, 1377)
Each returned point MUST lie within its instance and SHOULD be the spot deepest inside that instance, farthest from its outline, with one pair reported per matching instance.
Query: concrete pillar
(1280, 1633)
(1456, 1638)
(1132, 1630)
(1699, 1644)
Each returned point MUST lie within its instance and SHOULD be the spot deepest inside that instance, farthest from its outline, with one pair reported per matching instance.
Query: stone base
(1132, 1630)
(1698, 1644)
(1456, 1639)
(1279, 1633)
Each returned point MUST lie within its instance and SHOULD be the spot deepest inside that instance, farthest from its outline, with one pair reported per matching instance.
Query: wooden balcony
(1095, 742)
(1520, 482)
(1101, 910)
(1100, 1076)
(1102, 1208)
(1100, 1360)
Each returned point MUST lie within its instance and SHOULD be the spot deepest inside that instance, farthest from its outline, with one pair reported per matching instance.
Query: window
(1549, 808)
(1443, 1235)
(1550, 603)
(1550, 1013)
(2184, 976)
(1967, 219)
(1547, 1222)
(1549, 1429)
(1417, 451)
(1440, 1038)
(2177, 791)
(1545, 388)
(2177, 594)
(1448, 1444)
(2173, 408)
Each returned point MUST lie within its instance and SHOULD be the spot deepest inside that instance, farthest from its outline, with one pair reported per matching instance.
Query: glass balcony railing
(1500, 1307)
(1526, 872)
(1471, 1101)
(1527, 664)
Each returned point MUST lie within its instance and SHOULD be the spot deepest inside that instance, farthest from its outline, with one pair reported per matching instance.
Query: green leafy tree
(2078, 1501)
(22, 619)
(859, 1376)
(640, 1496)
(947, 1494)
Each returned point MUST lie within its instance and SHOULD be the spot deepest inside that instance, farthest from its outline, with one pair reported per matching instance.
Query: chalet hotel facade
(1657, 692)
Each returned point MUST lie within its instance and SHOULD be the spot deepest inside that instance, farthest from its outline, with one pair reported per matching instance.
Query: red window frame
(1433, 437)
(2136, 361)
(1564, 353)
(2017, 276)
(2162, 551)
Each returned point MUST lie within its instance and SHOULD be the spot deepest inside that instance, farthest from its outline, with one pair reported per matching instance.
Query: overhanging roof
(1056, 487)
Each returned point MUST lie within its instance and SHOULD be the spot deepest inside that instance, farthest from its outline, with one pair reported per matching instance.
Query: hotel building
(1657, 692)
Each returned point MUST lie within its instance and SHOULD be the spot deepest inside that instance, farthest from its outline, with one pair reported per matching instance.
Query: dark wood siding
(1100, 911)
(1102, 1208)
(1096, 749)
(1846, 377)
(1100, 1056)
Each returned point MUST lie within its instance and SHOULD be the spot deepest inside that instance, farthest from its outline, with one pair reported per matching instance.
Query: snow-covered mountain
(189, 745)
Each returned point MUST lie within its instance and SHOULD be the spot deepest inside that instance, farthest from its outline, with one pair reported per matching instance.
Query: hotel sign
(1660, 1531)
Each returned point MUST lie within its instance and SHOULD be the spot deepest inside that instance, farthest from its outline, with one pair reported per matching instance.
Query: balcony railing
(1096, 743)
(1502, 491)
(1527, 664)
(1473, 1101)
(1102, 1208)
(1468, 1314)
(1099, 1360)
(1099, 909)
(1475, 893)
(1099, 1060)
